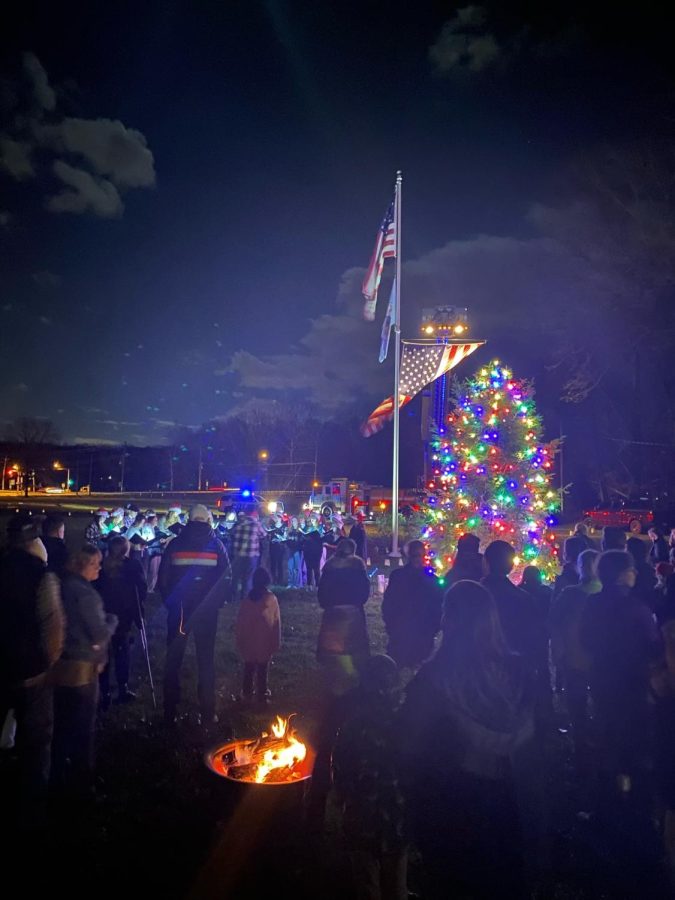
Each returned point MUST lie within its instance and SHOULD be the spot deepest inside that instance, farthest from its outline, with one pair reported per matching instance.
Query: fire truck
(351, 497)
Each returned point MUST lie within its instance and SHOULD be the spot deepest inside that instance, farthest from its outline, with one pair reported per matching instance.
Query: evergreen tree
(491, 473)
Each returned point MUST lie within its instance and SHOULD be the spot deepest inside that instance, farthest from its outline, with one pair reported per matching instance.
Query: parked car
(636, 515)
(236, 500)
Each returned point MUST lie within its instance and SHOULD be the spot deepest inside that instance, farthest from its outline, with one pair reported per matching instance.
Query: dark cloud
(85, 193)
(15, 158)
(42, 91)
(95, 441)
(108, 146)
(469, 42)
(46, 279)
(94, 158)
(464, 43)
(335, 365)
(115, 423)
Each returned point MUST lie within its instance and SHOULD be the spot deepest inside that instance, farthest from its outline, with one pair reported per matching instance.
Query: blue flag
(389, 320)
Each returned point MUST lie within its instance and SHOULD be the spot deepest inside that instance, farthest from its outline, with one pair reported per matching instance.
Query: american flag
(420, 365)
(389, 321)
(385, 248)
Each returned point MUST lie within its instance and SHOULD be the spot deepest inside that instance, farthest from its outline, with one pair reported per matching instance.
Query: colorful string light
(492, 474)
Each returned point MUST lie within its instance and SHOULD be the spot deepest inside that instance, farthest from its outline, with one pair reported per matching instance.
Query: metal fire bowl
(214, 761)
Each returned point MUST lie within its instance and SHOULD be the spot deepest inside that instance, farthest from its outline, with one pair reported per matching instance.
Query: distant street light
(59, 468)
(263, 457)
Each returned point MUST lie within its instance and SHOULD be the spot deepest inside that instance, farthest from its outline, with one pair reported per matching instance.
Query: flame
(279, 727)
(285, 752)
(281, 758)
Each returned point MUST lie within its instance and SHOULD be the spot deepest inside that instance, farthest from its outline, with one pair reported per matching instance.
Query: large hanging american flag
(420, 365)
(385, 248)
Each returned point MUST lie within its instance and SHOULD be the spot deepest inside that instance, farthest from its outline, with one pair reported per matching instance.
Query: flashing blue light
(245, 492)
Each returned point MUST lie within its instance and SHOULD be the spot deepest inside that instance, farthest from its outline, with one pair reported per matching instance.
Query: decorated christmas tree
(491, 473)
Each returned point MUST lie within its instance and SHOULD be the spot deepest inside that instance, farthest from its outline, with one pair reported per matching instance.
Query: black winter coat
(124, 591)
(192, 565)
(411, 610)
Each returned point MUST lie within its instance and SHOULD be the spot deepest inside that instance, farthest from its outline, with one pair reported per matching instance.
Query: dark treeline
(278, 450)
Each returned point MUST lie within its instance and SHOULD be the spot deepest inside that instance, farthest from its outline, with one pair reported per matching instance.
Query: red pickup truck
(634, 515)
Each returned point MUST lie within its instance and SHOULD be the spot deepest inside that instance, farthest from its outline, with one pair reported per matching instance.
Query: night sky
(189, 191)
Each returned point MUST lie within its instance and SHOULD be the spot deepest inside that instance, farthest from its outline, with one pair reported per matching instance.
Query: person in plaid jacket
(247, 545)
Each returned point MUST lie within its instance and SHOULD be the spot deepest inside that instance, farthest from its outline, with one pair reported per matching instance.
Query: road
(159, 501)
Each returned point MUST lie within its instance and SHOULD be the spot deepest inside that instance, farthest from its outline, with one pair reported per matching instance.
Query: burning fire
(271, 758)
(283, 757)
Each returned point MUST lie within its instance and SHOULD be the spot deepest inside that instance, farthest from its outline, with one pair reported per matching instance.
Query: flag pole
(397, 371)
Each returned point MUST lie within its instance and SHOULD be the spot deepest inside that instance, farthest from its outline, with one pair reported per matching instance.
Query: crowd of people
(73, 614)
(294, 548)
(592, 655)
(422, 744)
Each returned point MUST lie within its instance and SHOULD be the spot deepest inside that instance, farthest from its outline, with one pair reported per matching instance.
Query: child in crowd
(258, 634)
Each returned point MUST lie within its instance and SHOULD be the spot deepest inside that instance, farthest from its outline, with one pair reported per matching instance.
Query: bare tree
(31, 432)
(621, 229)
(32, 438)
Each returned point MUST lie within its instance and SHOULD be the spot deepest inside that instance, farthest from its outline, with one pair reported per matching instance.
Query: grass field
(163, 826)
(154, 789)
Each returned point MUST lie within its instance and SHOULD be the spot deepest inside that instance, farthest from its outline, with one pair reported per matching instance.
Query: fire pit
(277, 757)
(262, 786)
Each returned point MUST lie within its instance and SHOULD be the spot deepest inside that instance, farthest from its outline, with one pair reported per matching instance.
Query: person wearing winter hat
(200, 513)
(115, 524)
(194, 581)
(97, 529)
(173, 523)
